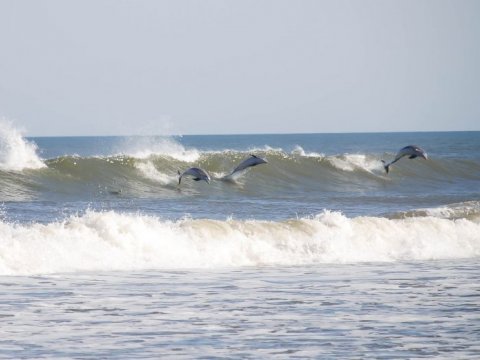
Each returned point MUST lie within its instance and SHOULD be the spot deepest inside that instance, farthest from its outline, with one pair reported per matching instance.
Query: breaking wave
(16, 153)
(142, 167)
(142, 171)
(104, 241)
(144, 163)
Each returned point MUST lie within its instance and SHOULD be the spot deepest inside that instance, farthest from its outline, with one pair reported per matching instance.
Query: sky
(144, 67)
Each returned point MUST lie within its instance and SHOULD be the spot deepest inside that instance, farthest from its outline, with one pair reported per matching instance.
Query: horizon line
(259, 134)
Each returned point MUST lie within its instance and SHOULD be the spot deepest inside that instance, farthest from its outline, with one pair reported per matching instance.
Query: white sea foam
(352, 162)
(148, 170)
(301, 152)
(16, 153)
(113, 241)
(145, 147)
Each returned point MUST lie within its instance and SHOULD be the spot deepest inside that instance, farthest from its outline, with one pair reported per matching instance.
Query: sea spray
(147, 147)
(16, 153)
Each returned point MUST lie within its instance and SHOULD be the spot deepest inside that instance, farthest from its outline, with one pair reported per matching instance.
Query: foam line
(104, 241)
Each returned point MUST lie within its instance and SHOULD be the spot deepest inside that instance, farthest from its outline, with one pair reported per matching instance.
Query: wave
(105, 241)
(469, 210)
(143, 173)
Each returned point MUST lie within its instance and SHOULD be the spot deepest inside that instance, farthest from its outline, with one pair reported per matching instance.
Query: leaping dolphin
(251, 161)
(198, 174)
(412, 151)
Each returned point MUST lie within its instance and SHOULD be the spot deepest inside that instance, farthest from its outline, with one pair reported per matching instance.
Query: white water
(392, 310)
(352, 162)
(16, 153)
(112, 241)
(145, 147)
(148, 170)
(301, 152)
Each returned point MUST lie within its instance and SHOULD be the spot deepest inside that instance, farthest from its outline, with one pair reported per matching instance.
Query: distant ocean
(317, 254)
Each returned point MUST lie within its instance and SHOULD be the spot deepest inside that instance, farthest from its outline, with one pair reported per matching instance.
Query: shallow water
(401, 310)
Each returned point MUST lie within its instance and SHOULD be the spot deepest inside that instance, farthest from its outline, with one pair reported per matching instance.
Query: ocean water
(317, 254)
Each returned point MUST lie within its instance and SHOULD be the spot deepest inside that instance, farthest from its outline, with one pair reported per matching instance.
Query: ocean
(317, 254)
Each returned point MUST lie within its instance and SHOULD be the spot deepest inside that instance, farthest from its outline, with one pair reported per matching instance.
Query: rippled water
(401, 310)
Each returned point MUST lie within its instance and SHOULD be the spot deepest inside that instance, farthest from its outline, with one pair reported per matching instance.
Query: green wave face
(285, 173)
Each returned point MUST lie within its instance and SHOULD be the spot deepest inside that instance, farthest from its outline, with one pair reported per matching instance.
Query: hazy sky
(207, 67)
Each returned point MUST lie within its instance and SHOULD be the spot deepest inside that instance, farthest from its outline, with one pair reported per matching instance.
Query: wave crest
(147, 147)
(464, 210)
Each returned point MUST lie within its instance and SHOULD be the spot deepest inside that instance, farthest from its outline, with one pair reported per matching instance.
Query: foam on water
(148, 170)
(113, 241)
(16, 153)
(465, 210)
(301, 152)
(145, 147)
(352, 162)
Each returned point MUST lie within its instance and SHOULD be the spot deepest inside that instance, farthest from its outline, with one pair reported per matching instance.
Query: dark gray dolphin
(412, 151)
(251, 161)
(198, 174)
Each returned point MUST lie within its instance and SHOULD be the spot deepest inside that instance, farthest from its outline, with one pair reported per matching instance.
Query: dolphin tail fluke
(386, 166)
(179, 177)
